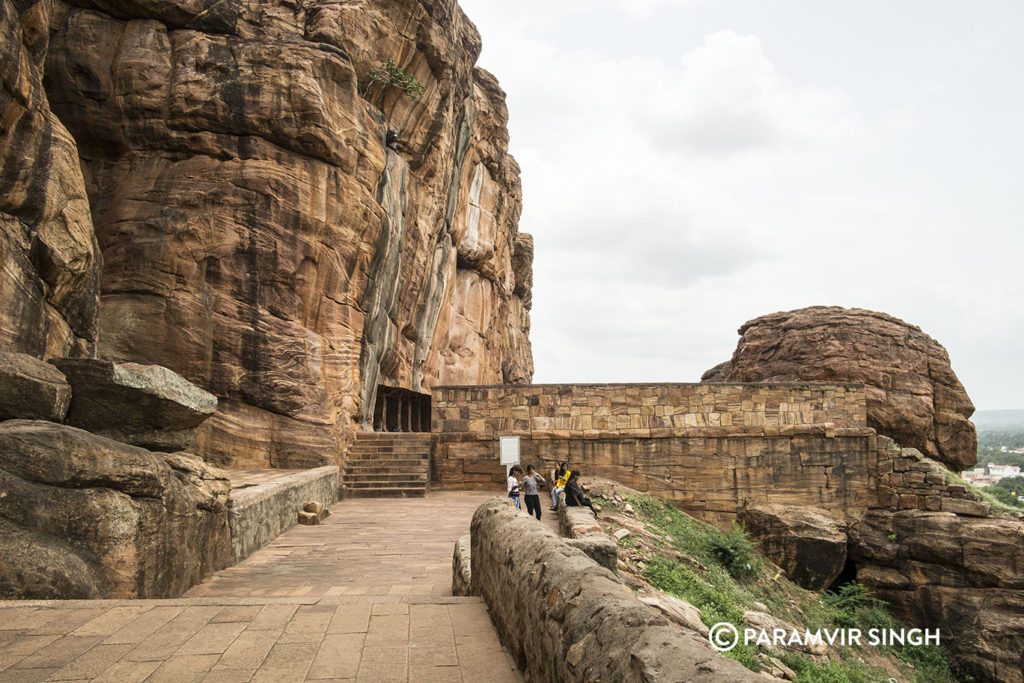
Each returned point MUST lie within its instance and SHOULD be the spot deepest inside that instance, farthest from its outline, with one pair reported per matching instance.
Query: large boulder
(962, 575)
(807, 543)
(913, 395)
(83, 516)
(32, 389)
(144, 405)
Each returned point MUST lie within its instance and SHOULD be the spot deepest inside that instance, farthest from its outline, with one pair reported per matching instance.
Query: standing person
(513, 484)
(560, 479)
(530, 483)
(574, 494)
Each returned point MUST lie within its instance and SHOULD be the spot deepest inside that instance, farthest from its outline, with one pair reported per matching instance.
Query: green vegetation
(987, 454)
(390, 74)
(722, 574)
(1002, 495)
(846, 671)
(854, 606)
(1012, 484)
(998, 506)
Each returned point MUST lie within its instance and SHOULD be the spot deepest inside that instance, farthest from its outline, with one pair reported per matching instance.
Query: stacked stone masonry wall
(648, 410)
(909, 481)
(711, 447)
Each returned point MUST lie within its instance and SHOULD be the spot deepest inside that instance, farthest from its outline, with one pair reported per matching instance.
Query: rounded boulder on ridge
(913, 395)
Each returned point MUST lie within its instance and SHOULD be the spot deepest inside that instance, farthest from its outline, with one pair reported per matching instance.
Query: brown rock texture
(962, 575)
(32, 389)
(280, 239)
(913, 395)
(808, 544)
(49, 258)
(143, 405)
(86, 517)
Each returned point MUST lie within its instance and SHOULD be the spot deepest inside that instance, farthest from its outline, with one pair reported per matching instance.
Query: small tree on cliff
(390, 74)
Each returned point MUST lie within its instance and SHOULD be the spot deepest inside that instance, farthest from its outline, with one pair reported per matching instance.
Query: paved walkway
(366, 596)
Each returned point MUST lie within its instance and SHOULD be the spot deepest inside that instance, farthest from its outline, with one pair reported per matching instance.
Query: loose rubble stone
(462, 570)
(677, 610)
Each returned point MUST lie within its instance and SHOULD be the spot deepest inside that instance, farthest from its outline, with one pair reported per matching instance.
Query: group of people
(528, 483)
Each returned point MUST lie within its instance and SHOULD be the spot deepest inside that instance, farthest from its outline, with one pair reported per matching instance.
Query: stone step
(389, 492)
(389, 451)
(385, 484)
(418, 437)
(386, 457)
(381, 468)
(385, 474)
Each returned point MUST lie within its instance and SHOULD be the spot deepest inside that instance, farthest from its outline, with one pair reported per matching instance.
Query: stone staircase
(387, 465)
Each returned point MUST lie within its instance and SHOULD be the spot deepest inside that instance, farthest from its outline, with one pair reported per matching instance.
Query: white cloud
(673, 197)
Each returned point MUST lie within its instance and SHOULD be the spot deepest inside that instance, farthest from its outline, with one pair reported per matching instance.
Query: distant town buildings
(990, 474)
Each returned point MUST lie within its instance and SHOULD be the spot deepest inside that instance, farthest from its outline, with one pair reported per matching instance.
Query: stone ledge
(259, 514)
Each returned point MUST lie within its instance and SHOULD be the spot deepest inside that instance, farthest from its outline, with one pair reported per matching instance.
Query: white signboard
(509, 450)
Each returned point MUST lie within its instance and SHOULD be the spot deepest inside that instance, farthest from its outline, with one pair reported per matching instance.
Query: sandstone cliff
(267, 231)
(49, 259)
(913, 394)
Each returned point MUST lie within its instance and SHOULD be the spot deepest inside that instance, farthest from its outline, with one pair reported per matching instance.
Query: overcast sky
(690, 164)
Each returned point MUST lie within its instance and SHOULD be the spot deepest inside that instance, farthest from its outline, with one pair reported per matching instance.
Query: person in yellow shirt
(559, 480)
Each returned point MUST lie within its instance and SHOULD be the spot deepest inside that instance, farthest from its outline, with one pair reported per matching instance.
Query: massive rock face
(913, 395)
(963, 575)
(86, 517)
(49, 259)
(274, 236)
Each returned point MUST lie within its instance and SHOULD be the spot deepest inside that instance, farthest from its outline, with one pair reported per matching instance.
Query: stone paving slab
(363, 597)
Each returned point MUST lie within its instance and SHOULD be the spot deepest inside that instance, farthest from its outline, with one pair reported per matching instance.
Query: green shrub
(847, 604)
(1003, 496)
(390, 74)
(734, 551)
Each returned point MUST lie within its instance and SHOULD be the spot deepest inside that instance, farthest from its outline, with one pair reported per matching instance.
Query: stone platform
(365, 596)
(265, 503)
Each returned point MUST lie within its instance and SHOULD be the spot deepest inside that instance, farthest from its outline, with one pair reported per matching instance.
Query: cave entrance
(401, 410)
(846, 576)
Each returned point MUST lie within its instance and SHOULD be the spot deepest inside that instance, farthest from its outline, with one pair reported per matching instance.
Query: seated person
(559, 479)
(574, 494)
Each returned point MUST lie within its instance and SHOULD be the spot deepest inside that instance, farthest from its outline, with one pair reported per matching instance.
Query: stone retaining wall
(259, 514)
(645, 410)
(710, 447)
(909, 481)
(565, 618)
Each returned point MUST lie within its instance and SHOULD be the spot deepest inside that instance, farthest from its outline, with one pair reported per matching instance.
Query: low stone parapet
(581, 530)
(566, 618)
(259, 514)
